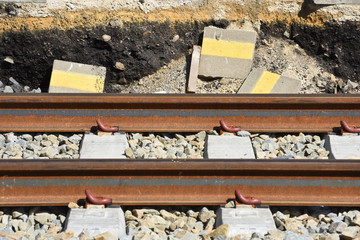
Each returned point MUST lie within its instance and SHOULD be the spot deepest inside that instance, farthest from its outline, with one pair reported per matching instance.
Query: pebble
(106, 37)
(15, 85)
(8, 89)
(9, 60)
(120, 66)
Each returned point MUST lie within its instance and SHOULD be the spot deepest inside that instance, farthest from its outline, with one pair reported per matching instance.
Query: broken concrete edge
(226, 53)
(262, 81)
(194, 69)
(72, 77)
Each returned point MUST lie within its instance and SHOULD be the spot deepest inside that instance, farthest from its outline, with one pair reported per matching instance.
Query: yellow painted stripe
(266, 82)
(85, 82)
(231, 49)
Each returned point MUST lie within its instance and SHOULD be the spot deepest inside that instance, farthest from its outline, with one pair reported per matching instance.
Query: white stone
(9, 60)
(106, 37)
(8, 89)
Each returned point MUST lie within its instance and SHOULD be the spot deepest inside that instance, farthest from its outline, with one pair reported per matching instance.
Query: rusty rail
(142, 182)
(191, 182)
(181, 113)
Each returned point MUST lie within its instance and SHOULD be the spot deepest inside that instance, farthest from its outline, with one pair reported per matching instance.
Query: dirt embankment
(145, 41)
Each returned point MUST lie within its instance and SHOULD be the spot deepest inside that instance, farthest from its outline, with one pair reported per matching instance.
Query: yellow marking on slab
(84, 82)
(266, 82)
(231, 49)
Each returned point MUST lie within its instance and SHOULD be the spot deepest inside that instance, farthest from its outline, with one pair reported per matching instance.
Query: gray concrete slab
(106, 146)
(96, 221)
(260, 81)
(346, 146)
(246, 220)
(226, 53)
(228, 147)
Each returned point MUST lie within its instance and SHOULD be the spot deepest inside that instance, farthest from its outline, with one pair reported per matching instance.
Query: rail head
(83, 166)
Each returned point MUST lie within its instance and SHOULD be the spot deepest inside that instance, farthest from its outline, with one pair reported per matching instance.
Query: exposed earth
(151, 41)
(156, 56)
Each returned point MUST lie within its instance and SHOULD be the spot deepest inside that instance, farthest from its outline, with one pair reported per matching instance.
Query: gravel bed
(166, 145)
(266, 146)
(161, 145)
(15, 87)
(289, 146)
(39, 146)
(187, 223)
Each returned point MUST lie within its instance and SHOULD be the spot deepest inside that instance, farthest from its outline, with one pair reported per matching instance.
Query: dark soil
(336, 46)
(142, 47)
(145, 47)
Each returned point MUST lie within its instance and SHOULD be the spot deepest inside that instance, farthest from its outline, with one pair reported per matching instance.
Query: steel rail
(176, 113)
(190, 182)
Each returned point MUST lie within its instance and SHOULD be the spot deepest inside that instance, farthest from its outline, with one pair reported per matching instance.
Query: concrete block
(260, 81)
(105, 146)
(226, 53)
(346, 146)
(246, 220)
(70, 77)
(96, 221)
(335, 2)
(194, 69)
(228, 147)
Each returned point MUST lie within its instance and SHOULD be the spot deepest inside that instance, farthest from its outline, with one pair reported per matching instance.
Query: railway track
(169, 182)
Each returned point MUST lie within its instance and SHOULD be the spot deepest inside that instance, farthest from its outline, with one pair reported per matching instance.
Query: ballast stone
(106, 146)
(246, 220)
(96, 221)
(228, 147)
(346, 146)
